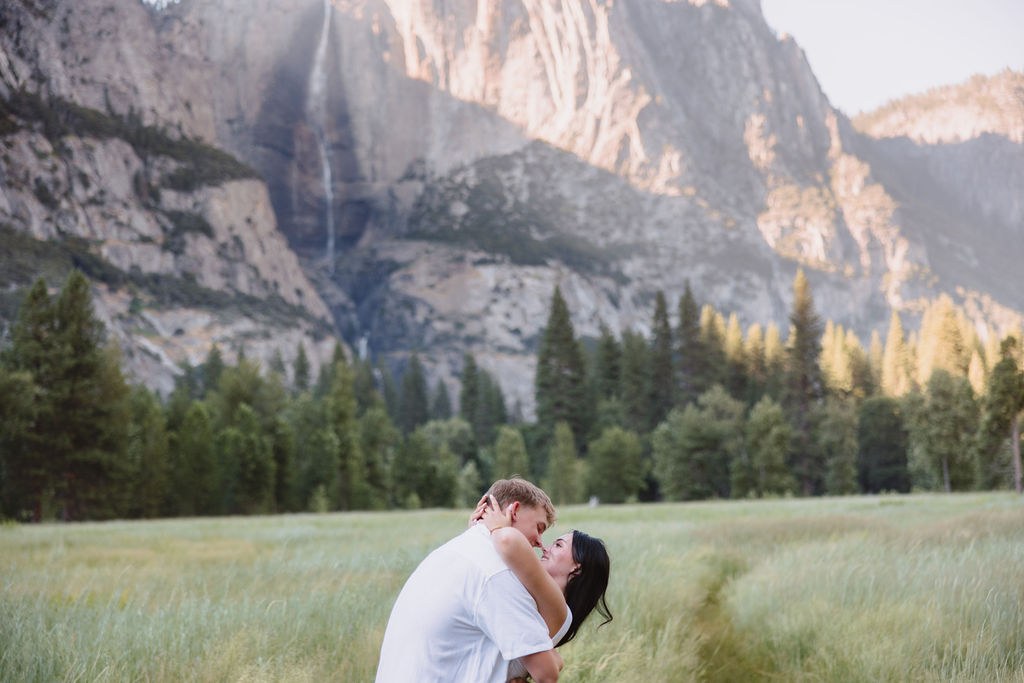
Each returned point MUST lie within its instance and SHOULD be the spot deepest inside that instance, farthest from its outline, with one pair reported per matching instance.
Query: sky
(867, 52)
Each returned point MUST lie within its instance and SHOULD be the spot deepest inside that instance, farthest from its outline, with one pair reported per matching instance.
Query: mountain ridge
(498, 149)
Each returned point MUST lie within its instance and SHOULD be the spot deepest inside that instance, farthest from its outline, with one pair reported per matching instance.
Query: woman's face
(557, 559)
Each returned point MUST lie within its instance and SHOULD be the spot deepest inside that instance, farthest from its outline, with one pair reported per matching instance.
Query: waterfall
(316, 112)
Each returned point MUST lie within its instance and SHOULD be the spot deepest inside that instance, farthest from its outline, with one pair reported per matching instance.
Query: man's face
(532, 521)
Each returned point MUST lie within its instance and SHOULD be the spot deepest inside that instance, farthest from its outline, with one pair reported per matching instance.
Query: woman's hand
(487, 512)
(478, 513)
(494, 518)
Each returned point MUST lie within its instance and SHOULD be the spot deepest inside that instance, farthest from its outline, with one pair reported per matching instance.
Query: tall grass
(882, 588)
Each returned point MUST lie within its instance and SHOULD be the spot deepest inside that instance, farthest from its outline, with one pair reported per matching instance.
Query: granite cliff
(432, 168)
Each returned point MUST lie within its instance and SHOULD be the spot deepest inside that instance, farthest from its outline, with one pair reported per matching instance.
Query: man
(462, 615)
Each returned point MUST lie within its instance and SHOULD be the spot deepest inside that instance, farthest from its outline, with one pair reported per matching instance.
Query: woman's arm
(518, 556)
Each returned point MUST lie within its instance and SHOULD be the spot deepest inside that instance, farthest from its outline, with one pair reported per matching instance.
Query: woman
(568, 580)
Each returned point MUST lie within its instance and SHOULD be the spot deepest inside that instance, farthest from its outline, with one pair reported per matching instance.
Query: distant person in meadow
(463, 615)
(568, 581)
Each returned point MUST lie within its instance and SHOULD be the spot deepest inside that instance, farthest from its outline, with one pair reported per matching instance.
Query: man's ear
(513, 508)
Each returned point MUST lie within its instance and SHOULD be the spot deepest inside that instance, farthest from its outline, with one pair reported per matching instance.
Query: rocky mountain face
(179, 237)
(438, 166)
(954, 160)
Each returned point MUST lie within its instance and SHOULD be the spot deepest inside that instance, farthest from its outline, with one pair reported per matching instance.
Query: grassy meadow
(886, 588)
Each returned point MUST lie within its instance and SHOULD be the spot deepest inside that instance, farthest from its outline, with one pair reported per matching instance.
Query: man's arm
(543, 666)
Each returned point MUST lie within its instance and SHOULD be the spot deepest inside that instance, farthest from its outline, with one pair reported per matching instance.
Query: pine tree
(321, 471)
(662, 374)
(896, 377)
(712, 334)
(378, 440)
(413, 404)
(757, 364)
(254, 461)
(110, 436)
(611, 413)
(23, 474)
(211, 370)
(1002, 407)
(388, 391)
(341, 416)
(76, 332)
(634, 382)
(607, 365)
(491, 411)
(833, 366)
(195, 471)
(735, 359)
(876, 355)
(148, 457)
(440, 403)
(306, 417)
(563, 482)
(804, 385)
(364, 386)
(844, 364)
(859, 367)
(77, 442)
(775, 362)
(326, 376)
(186, 389)
(270, 401)
(837, 441)
(276, 364)
(616, 469)
(881, 446)
(282, 447)
(237, 386)
(322, 475)
(690, 349)
(411, 473)
(338, 354)
(769, 441)
(560, 383)
(469, 395)
(301, 369)
(945, 341)
(30, 424)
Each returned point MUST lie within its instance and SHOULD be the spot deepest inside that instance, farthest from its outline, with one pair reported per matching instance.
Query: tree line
(696, 409)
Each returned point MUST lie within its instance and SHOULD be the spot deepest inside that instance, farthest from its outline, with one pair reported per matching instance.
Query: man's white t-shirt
(516, 668)
(461, 616)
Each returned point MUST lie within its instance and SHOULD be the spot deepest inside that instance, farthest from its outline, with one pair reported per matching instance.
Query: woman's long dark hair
(586, 585)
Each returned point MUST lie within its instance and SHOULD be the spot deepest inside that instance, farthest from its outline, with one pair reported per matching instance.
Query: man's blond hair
(507, 491)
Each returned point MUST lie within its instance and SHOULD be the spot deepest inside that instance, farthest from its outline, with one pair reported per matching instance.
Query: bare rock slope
(438, 166)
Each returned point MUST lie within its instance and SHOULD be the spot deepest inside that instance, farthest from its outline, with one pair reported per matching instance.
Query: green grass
(909, 588)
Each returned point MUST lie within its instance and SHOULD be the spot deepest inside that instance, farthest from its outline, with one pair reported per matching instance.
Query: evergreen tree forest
(699, 409)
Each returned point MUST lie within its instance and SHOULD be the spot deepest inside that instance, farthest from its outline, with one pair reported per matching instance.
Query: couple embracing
(483, 608)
